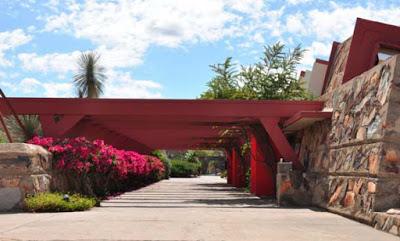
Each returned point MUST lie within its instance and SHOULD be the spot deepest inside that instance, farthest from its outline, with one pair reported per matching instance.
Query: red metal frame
(156, 124)
(363, 49)
(146, 125)
(11, 109)
(307, 115)
(280, 142)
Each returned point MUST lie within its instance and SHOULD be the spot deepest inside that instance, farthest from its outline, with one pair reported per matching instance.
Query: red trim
(165, 108)
(307, 114)
(321, 61)
(366, 38)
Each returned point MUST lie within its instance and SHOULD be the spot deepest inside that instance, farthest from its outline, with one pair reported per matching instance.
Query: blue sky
(162, 48)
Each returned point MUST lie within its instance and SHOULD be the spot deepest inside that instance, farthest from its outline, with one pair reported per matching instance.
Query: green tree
(89, 80)
(224, 85)
(273, 77)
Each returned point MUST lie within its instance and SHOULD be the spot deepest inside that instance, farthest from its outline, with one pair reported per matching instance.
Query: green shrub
(54, 202)
(183, 168)
(165, 160)
(223, 174)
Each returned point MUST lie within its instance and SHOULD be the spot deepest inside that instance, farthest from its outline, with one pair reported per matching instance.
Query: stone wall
(24, 170)
(335, 77)
(353, 160)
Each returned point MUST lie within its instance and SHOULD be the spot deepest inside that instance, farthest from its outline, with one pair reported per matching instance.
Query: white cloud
(9, 40)
(126, 29)
(316, 50)
(338, 24)
(54, 62)
(122, 85)
(32, 87)
(29, 85)
(252, 7)
(296, 2)
(56, 89)
(295, 25)
(118, 85)
(123, 30)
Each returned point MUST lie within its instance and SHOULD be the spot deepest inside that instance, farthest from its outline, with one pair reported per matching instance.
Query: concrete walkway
(187, 209)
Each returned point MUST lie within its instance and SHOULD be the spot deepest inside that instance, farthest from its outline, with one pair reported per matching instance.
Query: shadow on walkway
(203, 192)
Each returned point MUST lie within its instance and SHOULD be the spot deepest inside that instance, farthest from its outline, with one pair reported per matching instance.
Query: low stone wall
(388, 222)
(24, 170)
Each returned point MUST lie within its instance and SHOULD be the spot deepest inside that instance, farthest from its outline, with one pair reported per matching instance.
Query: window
(384, 53)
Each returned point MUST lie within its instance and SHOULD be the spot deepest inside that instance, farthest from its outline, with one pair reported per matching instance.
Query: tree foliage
(89, 80)
(272, 77)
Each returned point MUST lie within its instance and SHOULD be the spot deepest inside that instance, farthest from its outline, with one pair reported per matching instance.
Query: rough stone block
(10, 198)
(23, 159)
(23, 171)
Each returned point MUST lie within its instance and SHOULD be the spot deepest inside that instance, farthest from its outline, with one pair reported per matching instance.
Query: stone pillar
(24, 170)
(283, 181)
(262, 181)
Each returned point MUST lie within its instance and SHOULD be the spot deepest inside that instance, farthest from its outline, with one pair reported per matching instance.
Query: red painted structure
(146, 125)
(368, 37)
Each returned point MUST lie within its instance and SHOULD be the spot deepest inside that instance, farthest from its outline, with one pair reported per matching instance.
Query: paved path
(187, 210)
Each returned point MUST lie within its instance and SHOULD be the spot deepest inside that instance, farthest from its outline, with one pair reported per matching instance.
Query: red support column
(239, 169)
(229, 165)
(262, 179)
(234, 167)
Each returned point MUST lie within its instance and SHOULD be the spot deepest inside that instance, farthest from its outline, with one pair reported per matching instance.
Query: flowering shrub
(106, 166)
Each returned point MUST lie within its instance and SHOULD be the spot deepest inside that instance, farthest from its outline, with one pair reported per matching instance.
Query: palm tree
(90, 78)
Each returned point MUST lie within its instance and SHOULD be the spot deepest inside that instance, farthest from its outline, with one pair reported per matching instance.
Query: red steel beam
(280, 141)
(159, 108)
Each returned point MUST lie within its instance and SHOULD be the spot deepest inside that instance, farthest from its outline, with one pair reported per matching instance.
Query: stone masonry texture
(24, 170)
(352, 161)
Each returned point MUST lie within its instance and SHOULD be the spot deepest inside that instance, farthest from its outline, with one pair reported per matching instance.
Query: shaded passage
(203, 208)
(203, 192)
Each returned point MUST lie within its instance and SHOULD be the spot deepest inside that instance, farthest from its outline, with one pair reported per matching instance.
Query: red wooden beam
(93, 131)
(57, 126)
(280, 141)
(157, 108)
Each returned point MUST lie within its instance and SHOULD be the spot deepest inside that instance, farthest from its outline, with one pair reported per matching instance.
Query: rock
(373, 127)
(361, 133)
(371, 187)
(9, 181)
(335, 195)
(23, 159)
(357, 186)
(391, 156)
(348, 199)
(394, 230)
(24, 170)
(368, 119)
(393, 211)
(10, 198)
(373, 163)
(384, 84)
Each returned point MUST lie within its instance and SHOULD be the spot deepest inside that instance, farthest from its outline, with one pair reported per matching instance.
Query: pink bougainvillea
(82, 156)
